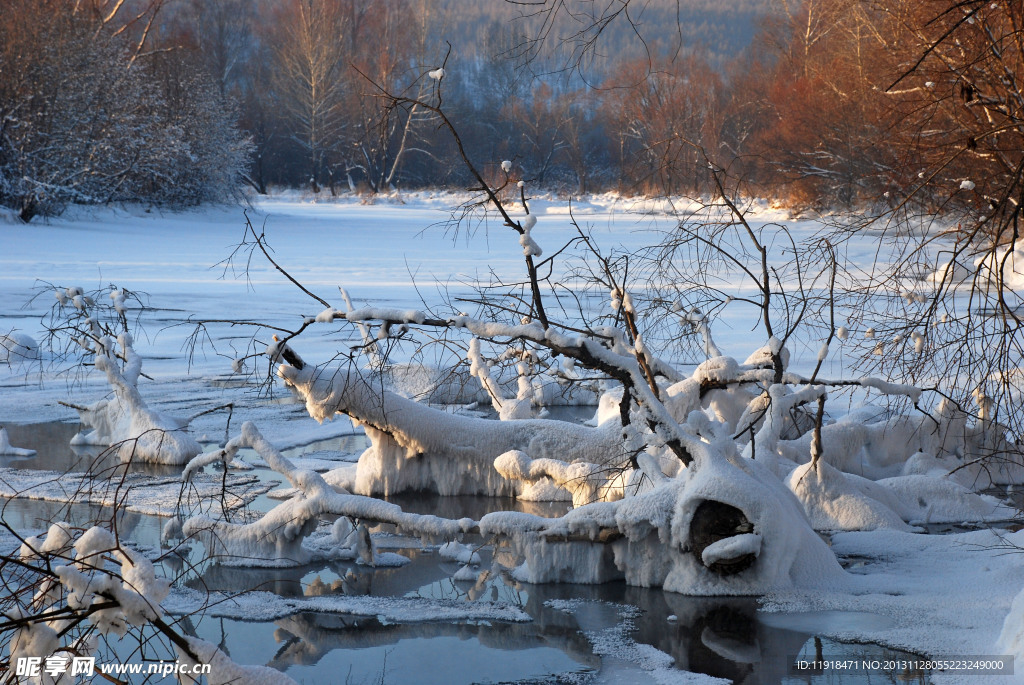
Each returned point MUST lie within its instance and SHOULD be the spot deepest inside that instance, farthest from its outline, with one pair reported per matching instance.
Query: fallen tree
(712, 482)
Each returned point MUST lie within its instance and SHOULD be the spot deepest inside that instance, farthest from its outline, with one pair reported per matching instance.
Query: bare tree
(309, 82)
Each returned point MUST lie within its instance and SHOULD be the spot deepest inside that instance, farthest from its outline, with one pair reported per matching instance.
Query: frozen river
(186, 268)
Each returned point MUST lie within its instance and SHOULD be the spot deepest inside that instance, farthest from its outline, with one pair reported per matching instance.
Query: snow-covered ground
(934, 595)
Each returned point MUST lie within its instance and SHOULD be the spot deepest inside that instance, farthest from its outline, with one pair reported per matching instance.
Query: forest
(824, 103)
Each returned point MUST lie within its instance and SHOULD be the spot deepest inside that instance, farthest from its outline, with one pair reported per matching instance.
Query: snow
(7, 449)
(529, 245)
(224, 671)
(85, 581)
(455, 551)
(157, 496)
(614, 644)
(832, 502)
(126, 421)
(930, 499)
(731, 548)
(888, 388)
(18, 347)
(791, 554)
(654, 535)
(1002, 269)
(267, 606)
(871, 443)
(1011, 639)
(276, 539)
(586, 482)
(943, 594)
(429, 449)
(879, 470)
(32, 640)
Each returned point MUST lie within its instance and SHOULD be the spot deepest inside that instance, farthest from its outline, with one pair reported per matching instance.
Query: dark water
(51, 441)
(723, 637)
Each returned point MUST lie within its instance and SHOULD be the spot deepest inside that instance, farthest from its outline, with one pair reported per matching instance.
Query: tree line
(830, 103)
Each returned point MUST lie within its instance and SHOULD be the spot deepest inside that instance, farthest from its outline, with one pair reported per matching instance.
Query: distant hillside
(483, 27)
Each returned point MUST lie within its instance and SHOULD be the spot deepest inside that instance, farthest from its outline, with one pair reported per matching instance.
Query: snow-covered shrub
(69, 588)
(125, 421)
(77, 573)
(84, 327)
(82, 122)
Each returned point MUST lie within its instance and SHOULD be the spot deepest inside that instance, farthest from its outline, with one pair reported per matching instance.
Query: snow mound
(791, 553)
(1011, 640)
(18, 347)
(6, 449)
(927, 499)
(832, 502)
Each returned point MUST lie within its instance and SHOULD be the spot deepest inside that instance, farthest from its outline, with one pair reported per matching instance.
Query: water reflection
(324, 647)
(30, 516)
(724, 637)
(54, 452)
(345, 444)
(49, 440)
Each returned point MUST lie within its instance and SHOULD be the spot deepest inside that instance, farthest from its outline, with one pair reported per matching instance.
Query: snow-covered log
(726, 525)
(417, 447)
(277, 538)
(586, 482)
